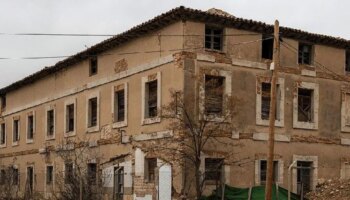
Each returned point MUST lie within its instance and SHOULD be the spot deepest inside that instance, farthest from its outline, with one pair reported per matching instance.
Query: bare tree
(80, 177)
(9, 183)
(200, 124)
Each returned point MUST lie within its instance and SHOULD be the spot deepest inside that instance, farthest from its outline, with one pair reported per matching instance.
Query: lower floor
(122, 171)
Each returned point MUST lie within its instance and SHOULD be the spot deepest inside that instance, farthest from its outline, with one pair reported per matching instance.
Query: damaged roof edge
(176, 14)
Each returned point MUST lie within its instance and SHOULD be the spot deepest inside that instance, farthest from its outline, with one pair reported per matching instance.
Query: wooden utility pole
(272, 113)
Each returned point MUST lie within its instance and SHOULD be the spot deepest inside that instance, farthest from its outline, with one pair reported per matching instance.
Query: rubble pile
(331, 189)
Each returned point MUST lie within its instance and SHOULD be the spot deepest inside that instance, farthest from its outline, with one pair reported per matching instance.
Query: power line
(112, 35)
(127, 53)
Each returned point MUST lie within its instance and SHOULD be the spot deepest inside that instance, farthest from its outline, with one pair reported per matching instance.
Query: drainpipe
(289, 169)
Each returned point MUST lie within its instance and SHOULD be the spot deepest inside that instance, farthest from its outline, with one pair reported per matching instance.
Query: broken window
(267, 47)
(305, 54)
(15, 130)
(3, 102)
(49, 175)
(152, 98)
(2, 134)
(92, 117)
(30, 178)
(214, 95)
(92, 173)
(266, 99)
(305, 105)
(70, 118)
(304, 176)
(50, 122)
(213, 38)
(347, 61)
(213, 167)
(30, 127)
(93, 66)
(263, 171)
(68, 173)
(119, 106)
(150, 168)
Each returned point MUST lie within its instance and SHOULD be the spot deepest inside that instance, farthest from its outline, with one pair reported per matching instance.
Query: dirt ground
(331, 189)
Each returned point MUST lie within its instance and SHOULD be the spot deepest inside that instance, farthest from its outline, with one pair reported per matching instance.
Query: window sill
(265, 122)
(211, 182)
(305, 125)
(69, 134)
(152, 120)
(214, 118)
(2, 146)
(14, 144)
(50, 138)
(29, 141)
(120, 124)
(214, 51)
(92, 129)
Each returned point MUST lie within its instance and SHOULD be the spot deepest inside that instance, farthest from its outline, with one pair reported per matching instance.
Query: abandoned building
(110, 95)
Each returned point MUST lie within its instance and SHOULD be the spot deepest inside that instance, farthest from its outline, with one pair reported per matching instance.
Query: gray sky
(330, 17)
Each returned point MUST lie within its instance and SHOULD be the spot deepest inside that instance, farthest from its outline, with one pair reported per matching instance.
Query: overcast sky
(330, 17)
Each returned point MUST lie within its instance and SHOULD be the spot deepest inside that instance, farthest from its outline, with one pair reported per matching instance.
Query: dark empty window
(266, 99)
(30, 128)
(49, 175)
(267, 47)
(70, 118)
(305, 105)
(2, 177)
(92, 173)
(213, 167)
(93, 66)
(30, 178)
(15, 176)
(263, 171)
(15, 130)
(119, 106)
(152, 98)
(347, 61)
(305, 54)
(92, 112)
(213, 38)
(214, 94)
(68, 173)
(2, 134)
(3, 102)
(150, 167)
(304, 176)
(50, 122)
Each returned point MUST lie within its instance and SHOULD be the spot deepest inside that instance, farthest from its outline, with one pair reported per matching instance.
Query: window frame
(47, 135)
(146, 79)
(115, 89)
(301, 124)
(91, 63)
(265, 42)
(31, 166)
(206, 170)
(52, 175)
(279, 122)
(311, 56)
(89, 128)
(94, 180)
(3, 133)
(16, 142)
(69, 102)
(212, 36)
(347, 62)
(30, 140)
(148, 171)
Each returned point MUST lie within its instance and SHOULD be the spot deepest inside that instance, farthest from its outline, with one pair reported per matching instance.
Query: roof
(174, 15)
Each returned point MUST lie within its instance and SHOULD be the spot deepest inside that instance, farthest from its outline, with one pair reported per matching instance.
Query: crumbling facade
(110, 96)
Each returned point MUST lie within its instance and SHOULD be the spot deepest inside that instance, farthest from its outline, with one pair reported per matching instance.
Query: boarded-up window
(305, 105)
(150, 168)
(92, 116)
(70, 118)
(49, 175)
(93, 66)
(152, 98)
(213, 38)
(30, 127)
(305, 54)
(213, 168)
(119, 106)
(2, 134)
(50, 122)
(267, 47)
(263, 171)
(15, 130)
(214, 94)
